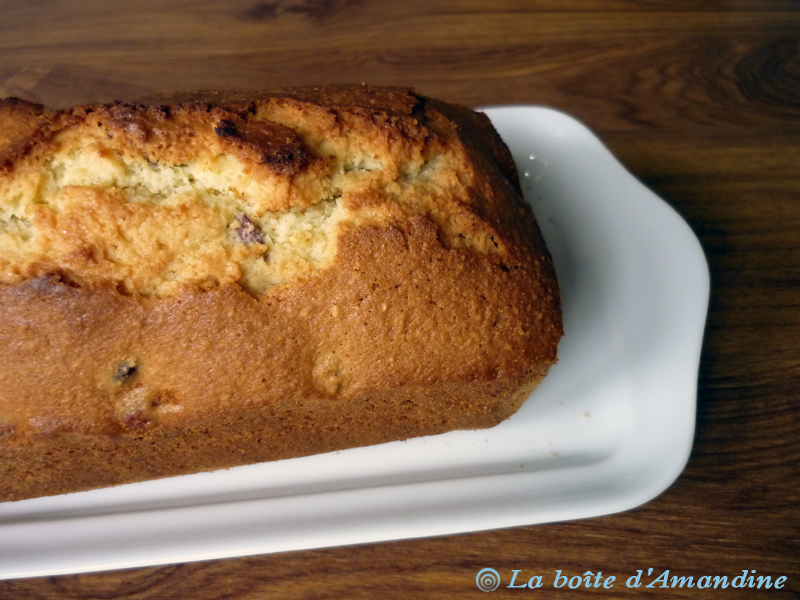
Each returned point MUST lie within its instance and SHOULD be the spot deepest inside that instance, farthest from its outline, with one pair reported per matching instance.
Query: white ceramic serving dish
(610, 428)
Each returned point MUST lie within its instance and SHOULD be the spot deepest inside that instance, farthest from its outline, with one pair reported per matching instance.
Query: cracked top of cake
(208, 189)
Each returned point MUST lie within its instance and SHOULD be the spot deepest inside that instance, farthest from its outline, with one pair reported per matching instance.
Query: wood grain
(703, 105)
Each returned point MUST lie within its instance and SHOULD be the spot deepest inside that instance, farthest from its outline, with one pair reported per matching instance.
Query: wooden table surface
(703, 105)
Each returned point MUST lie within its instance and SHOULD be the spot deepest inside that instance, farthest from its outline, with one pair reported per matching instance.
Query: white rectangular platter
(610, 428)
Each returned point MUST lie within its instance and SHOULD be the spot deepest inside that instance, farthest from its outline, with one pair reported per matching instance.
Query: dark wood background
(700, 100)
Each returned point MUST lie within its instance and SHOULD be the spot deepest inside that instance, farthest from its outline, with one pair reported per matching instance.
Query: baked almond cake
(205, 280)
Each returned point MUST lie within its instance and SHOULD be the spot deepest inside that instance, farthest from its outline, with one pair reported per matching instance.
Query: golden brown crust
(19, 121)
(406, 332)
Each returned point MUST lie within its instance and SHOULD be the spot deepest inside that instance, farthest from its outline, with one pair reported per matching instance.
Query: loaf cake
(197, 281)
